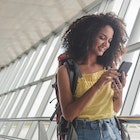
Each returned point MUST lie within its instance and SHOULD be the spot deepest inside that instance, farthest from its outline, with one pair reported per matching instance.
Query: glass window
(132, 57)
(117, 6)
(3, 98)
(45, 62)
(50, 108)
(16, 103)
(131, 15)
(136, 110)
(25, 69)
(26, 101)
(7, 105)
(35, 64)
(17, 76)
(39, 99)
(54, 65)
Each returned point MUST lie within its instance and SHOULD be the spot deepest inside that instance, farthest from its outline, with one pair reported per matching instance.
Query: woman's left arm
(117, 86)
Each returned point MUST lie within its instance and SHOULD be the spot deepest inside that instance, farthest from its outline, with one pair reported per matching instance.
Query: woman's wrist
(117, 96)
(97, 86)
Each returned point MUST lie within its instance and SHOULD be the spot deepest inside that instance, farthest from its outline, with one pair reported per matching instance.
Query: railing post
(38, 130)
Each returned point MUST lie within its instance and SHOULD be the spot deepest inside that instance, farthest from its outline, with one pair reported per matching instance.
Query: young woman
(95, 43)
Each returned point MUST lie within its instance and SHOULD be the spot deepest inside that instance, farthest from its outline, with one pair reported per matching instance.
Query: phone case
(124, 67)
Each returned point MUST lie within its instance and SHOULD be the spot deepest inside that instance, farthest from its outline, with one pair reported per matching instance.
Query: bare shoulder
(63, 79)
(62, 72)
(62, 69)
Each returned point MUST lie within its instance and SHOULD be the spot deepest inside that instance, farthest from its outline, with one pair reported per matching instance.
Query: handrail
(11, 138)
(124, 119)
(25, 119)
(29, 84)
(130, 119)
(37, 119)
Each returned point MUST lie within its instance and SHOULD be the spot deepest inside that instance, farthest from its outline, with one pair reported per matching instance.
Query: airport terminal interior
(30, 42)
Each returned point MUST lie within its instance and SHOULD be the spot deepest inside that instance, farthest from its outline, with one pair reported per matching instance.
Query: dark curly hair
(80, 35)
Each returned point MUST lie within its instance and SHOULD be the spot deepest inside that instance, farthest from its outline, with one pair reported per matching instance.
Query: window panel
(50, 108)
(39, 99)
(12, 129)
(16, 103)
(9, 75)
(131, 14)
(25, 69)
(35, 64)
(18, 75)
(3, 101)
(28, 98)
(136, 110)
(7, 105)
(132, 57)
(48, 55)
(117, 6)
(24, 129)
(54, 65)
(3, 106)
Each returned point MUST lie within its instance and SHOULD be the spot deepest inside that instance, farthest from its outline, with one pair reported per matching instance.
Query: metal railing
(47, 135)
(42, 133)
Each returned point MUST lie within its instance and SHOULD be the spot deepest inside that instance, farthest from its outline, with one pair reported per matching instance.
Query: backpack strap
(73, 72)
(55, 112)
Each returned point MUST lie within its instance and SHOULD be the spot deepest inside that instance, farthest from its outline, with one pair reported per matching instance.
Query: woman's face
(102, 40)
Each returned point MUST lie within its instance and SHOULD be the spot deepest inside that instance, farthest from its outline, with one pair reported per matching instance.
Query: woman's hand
(123, 78)
(117, 86)
(108, 76)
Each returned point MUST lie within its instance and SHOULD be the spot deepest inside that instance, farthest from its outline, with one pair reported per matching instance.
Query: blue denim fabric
(105, 129)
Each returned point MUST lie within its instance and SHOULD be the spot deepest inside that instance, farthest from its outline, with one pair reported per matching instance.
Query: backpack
(73, 72)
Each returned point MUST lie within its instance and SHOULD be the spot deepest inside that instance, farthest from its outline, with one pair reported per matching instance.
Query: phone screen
(124, 67)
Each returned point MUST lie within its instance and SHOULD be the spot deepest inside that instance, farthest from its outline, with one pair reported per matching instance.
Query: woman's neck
(90, 66)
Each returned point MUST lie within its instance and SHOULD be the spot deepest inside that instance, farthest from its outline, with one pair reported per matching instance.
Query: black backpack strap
(55, 112)
(73, 72)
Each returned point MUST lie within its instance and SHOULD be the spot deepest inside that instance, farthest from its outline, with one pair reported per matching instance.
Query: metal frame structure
(41, 134)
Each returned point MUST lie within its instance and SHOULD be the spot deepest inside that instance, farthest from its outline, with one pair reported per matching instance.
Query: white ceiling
(24, 22)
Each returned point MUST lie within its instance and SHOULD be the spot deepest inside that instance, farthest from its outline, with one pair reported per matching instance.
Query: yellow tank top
(101, 106)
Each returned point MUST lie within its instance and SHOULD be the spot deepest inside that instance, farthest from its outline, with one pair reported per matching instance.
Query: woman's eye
(102, 37)
(109, 41)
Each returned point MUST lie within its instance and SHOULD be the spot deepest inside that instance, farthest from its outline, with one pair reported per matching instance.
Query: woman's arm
(72, 108)
(117, 86)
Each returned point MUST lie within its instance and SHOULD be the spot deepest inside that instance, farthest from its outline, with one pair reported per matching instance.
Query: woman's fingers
(123, 78)
(108, 76)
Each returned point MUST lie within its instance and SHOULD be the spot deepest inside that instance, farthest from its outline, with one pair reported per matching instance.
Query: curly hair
(80, 35)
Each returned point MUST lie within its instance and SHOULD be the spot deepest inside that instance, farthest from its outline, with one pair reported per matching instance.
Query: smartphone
(125, 66)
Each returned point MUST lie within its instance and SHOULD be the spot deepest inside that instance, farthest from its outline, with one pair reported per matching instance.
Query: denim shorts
(105, 129)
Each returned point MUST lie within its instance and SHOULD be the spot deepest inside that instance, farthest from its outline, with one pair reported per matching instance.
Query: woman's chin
(100, 54)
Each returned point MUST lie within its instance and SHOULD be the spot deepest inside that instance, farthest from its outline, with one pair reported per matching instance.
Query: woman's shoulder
(62, 70)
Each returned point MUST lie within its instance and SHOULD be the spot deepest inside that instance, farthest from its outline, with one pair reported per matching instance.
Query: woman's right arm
(71, 108)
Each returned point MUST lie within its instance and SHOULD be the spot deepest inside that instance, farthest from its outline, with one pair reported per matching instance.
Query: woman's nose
(106, 44)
